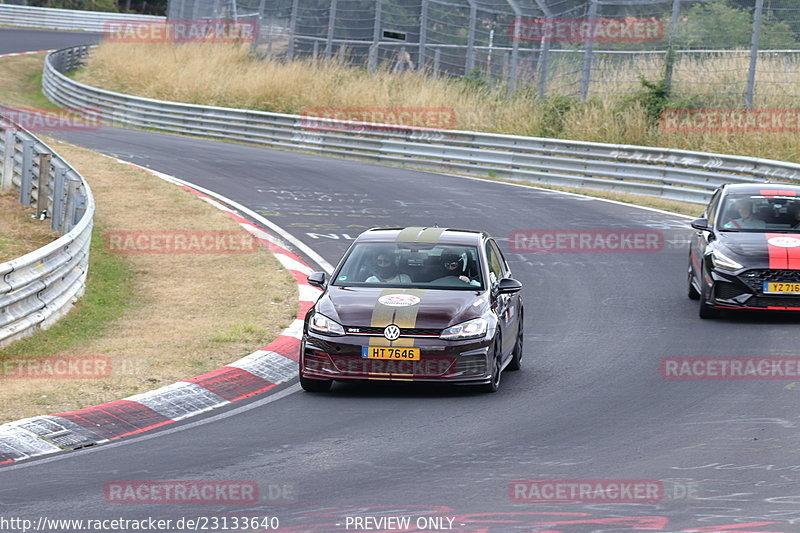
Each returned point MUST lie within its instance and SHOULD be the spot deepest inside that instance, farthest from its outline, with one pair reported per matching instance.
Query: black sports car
(746, 251)
(414, 304)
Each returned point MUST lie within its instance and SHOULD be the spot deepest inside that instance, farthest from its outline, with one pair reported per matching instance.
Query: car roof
(756, 188)
(421, 234)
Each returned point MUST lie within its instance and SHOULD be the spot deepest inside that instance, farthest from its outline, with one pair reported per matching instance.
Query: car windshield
(413, 265)
(761, 213)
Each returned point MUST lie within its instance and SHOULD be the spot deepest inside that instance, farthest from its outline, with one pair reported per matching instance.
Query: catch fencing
(719, 52)
(40, 287)
(658, 172)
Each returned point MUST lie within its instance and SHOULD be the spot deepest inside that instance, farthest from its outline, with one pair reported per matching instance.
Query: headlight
(720, 260)
(466, 330)
(325, 326)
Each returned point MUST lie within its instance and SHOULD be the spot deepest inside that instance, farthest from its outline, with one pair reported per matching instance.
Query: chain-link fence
(723, 52)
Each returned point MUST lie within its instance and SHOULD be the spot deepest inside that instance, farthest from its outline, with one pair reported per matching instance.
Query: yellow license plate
(782, 288)
(388, 352)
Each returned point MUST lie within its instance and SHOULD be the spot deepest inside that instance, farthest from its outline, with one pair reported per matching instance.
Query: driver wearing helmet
(385, 270)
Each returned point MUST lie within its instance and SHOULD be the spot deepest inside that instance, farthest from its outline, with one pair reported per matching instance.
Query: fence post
(26, 182)
(292, 30)
(372, 61)
(512, 81)
(473, 20)
(8, 159)
(42, 183)
(423, 34)
(331, 26)
(751, 73)
(588, 53)
(57, 216)
(670, 63)
(437, 57)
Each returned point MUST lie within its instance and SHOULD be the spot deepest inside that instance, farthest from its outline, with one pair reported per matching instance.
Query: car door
(502, 304)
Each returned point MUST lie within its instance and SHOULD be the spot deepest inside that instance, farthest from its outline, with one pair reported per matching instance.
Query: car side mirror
(317, 279)
(508, 286)
(701, 224)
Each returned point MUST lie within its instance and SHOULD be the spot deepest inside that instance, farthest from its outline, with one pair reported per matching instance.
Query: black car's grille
(403, 331)
(727, 291)
(755, 279)
(768, 301)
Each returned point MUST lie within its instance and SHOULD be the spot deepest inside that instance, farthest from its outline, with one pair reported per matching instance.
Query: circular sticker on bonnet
(398, 300)
(784, 242)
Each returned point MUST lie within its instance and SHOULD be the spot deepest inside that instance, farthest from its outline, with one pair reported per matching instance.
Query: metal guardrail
(658, 172)
(39, 288)
(65, 19)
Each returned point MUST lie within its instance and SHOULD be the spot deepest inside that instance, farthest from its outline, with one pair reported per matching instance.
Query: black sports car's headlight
(720, 260)
(325, 326)
(471, 329)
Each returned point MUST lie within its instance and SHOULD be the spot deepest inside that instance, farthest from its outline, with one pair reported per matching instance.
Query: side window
(495, 263)
(503, 264)
(711, 212)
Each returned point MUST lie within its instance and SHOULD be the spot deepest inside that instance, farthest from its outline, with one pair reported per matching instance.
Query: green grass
(109, 294)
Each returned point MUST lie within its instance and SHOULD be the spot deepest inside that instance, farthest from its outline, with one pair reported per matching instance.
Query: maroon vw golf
(414, 304)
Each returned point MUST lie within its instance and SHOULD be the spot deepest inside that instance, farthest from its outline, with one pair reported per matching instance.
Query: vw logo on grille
(392, 332)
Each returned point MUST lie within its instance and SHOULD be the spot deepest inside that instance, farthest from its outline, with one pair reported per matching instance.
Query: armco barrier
(65, 19)
(40, 287)
(658, 172)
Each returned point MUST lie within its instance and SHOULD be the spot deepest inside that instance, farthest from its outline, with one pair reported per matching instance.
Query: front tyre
(516, 355)
(707, 311)
(692, 292)
(496, 362)
(315, 385)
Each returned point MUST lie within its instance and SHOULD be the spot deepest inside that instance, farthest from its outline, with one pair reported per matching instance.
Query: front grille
(727, 291)
(755, 279)
(404, 332)
(768, 301)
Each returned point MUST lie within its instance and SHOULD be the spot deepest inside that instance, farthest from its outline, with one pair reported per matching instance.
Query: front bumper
(339, 358)
(744, 290)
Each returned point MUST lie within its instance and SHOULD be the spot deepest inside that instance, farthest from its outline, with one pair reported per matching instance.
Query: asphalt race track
(589, 404)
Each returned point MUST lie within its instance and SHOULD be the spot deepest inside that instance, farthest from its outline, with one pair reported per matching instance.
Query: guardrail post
(43, 183)
(751, 73)
(73, 192)
(59, 192)
(26, 181)
(8, 160)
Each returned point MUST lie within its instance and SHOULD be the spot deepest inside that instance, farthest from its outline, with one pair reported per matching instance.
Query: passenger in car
(386, 271)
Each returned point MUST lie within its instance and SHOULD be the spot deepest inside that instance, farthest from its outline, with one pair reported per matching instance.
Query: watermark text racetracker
(640, 240)
(378, 119)
(55, 367)
(180, 242)
(730, 368)
(182, 31)
(34, 119)
(99, 525)
(202, 492)
(773, 120)
(604, 30)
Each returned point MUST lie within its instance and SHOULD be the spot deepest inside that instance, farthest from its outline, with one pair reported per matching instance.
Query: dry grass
(20, 231)
(191, 312)
(229, 76)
